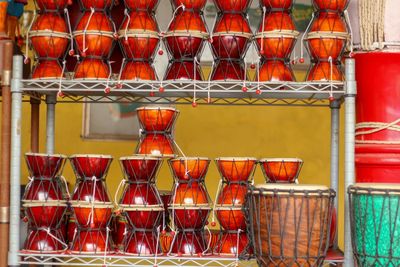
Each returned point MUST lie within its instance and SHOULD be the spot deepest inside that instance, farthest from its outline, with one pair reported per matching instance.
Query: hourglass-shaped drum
(157, 124)
(45, 203)
(281, 170)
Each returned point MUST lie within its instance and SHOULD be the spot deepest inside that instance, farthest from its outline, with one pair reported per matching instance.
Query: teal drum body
(375, 224)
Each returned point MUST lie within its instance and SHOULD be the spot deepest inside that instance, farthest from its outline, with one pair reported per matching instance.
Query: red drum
(377, 108)
(229, 209)
(92, 69)
(139, 35)
(137, 70)
(92, 242)
(92, 215)
(324, 71)
(276, 71)
(186, 35)
(142, 205)
(231, 36)
(96, 4)
(148, 5)
(231, 244)
(45, 241)
(331, 5)
(189, 243)
(51, 4)
(277, 4)
(281, 170)
(142, 243)
(48, 214)
(49, 36)
(327, 36)
(94, 34)
(47, 69)
(236, 169)
(44, 165)
(157, 119)
(277, 37)
(189, 169)
(140, 168)
(183, 70)
(90, 191)
(233, 194)
(44, 190)
(229, 70)
(333, 229)
(193, 194)
(197, 5)
(232, 5)
(88, 166)
(156, 145)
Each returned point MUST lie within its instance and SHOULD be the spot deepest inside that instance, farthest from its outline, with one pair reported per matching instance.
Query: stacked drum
(49, 36)
(326, 40)
(184, 39)
(139, 39)
(45, 204)
(230, 40)
(275, 40)
(190, 206)
(91, 205)
(281, 170)
(94, 36)
(237, 175)
(142, 206)
(157, 125)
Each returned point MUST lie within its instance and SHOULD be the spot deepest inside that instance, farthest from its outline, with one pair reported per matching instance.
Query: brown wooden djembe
(289, 224)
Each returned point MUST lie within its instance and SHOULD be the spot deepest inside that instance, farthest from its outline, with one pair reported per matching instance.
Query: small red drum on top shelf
(49, 36)
(234, 169)
(231, 36)
(232, 6)
(186, 35)
(281, 170)
(331, 5)
(276, 38)
(148, 5)
(275, 70)
(189, 169)
(94, 34)
(138, 35)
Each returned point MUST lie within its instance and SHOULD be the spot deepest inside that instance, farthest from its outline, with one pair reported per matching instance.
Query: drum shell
(140, 169)
(140, 47)
(91, 242)
(92, 69)
(184, 46)
(276, 71)
(231, 244)
(232, 6)
(275, 47)
(227, 70)
(157, 145)
(189, 243)
(284, 171)
(374, 223)
(142, 243)
(137, 70)
(72, 228)
(183, 70)
(377, 163)
(378, 70)
(47, 69)
(44, 166)
(99, 38)
(321, 71)
(96, 4)
(190, 194)
(323, 48)
(148, 5)
(89, 190)
(231, 219)
(236, 169)
(197, 5)
(51, 4)
(233, 194)
(144, 218)
(142, 194)
(100, 215)
(196, 168)
(190, 217)
(39, 241)
(277, 4)
(157, 119)
(332, 5)
(328, 23)
(89, 166)
(43, 190)
(50, 215)
(43, 40)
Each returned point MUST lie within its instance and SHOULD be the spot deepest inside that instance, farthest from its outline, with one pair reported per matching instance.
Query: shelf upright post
(15, 164)
(335, 128)
(51, 101)
(349, 135)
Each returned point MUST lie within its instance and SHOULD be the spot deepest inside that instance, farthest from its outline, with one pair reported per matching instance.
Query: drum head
(271, 189)
(375, 189)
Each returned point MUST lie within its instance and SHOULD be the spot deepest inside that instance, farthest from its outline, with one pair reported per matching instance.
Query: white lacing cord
(237, 246)
(123, 181)
(305, 34)
(158, 241)
(214, 24)
(108, 89)
(62, 178)
(209, 241)
(194, 81)
(179, 149)
(215, 201)
(330, 60)
(127, 24)
(174, 13)
(91, 214)
(263, 27)
(173, 207)
(48, 231)
(26, 59)
(244, 74)
(172, 243)
(84, 48)
(70, 29)
(115, 34)
(105, 250)
(258, 74)
(209, 82)
(374, 128)
(60, 93)
(120, 71)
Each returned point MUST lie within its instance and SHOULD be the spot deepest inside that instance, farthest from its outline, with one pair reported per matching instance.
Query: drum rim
(235, 159)
(191, 207)
(127, 207)
(190, 159)
(187, 33)
(89, 205)
(49, 33)
(46, 155)
(378, 187)
(48, 203)
(137, 33)
(94, 32)
(154, 107)
(90, 79)
(267, 160)
(278, 34)
(76, 252)
(43, 251)
(327, 35)
(102, 156)
(290, 188)
(247, 35)
(140, 157)
(228, 207)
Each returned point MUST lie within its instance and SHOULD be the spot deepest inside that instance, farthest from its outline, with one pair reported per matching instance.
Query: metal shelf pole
(349, 175)
(50, 123)
(335, 128)
(15, 165)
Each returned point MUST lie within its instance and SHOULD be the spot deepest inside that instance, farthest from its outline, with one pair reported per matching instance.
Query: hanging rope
(372, 24)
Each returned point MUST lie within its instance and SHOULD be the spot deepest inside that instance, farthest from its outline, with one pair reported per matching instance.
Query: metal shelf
(184, 92)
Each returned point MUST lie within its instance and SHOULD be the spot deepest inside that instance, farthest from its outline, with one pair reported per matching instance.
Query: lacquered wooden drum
(140, 168)
(184, 70)
(90, 165)
(375, 219)
(229, 70)
(47, 70)
(44, 190)
(325, 71)
(142, 243)
(92, 69)
(51, 4)
(234, 6)
(231, 36)
(276, 38)
(186, 35)
(331, 5)
(197, 5)
(96, 4)
(157, 119)
(281, 170)
(274, 71)
(290, 223)
(138, 71)
(48, 214)
(138, 35)
(44, 165)
(231, 244)
(94, 34)
(92, 242)
(49, 36)
(44, 241)
(277, 4)
(156, 145)
(236, 169)
(92, 215)
(189, 168)
(190, 243)
(148, 5)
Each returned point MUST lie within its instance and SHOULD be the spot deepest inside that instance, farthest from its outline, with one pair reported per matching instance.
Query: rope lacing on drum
(26, 57)
(173, 211)
(48, 231)
(105, 250)
(215, 201)
(127, 24)
(62, 178)
(195, 62)
(91, 214)
(375, 127)
(119, 85)
(348, 22)
(84, 48)
(108, 89)
(209, 241)
(244, 74)
(157, 244)
(214, 25)
(237, 246)
(305, 34)
(70, 30)
(123, 181)
(262, 30)
(174, 13)
(60, 93)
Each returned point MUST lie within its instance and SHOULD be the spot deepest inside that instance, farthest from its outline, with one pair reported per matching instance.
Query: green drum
(375, 224)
